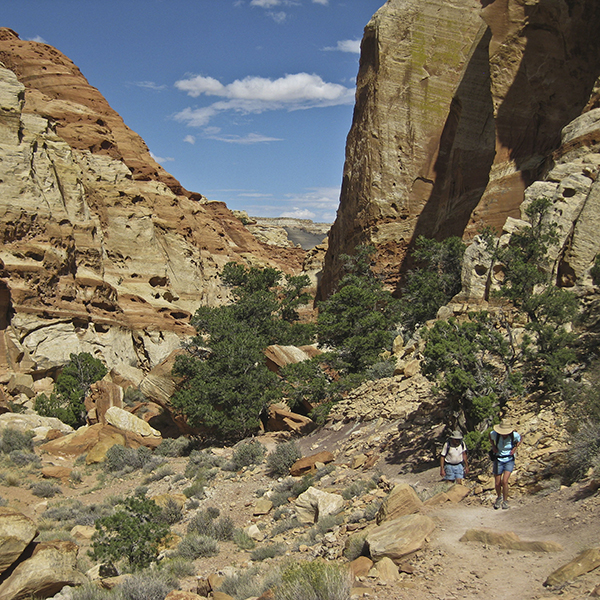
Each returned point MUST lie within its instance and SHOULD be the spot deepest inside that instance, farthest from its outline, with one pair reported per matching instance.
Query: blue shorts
(454, 471)
(500, 467)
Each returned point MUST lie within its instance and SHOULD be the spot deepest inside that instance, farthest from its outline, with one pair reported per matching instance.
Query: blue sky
(245, 101)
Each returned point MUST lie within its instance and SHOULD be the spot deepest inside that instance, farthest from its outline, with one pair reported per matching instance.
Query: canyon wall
(101, 249)
(459, 107)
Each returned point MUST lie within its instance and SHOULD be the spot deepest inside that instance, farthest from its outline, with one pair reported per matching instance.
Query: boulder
(314, 504)
(127, 422)
(402, 500)
(21, 383)
(181, 595)
(399, 537)
(262, 507)
(255, 533)
(82, 532)
(361, 566)
(51, 566)
(102, 396)
(40, 426)
(508, 540)
(281, 419)
(307, 464)
(387, 570)
(586, 561)
(56, 472)
(16, 532)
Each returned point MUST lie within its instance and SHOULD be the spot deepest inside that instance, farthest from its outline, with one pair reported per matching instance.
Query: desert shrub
(194, 546)
(242, 540)
(584, 453)
(133, 532)
(372, 509)
(51, 535)
(119, 458)
(212, 511)
(91, 591)
(285, 525)
(328, 523)
(72, 512)
(195, 490)
(171, 512)
(22, 458)
(356, 546)
(153, 462)
(11, 479)
(163, 472)
(250, 583)
(149, 585)
(323, 472)
(267, 551)
(13, 440)
(248, 453)
(301, 485)
(357, 488)
(45, 489)
(201, 462)
(174, 447)
(282, 458)
(206, 523)
(133, 396)
(177, 567)
(315, 580)
(379, 370)
(224, 528)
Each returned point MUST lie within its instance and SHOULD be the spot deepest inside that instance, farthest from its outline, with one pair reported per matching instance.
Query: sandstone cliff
(459, 106)
(101, 249)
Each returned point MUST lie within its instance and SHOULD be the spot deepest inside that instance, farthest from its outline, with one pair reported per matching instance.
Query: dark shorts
(500, 467)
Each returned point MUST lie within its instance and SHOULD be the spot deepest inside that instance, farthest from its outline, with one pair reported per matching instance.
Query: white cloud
(299, 213)
(160, 160)
(323, 2)
(322, 203)
(352, 46)
(251, 138)
(265, 3)
(278, 17)
(150, 85)
(189, 139)
(259, 94)
(38, 38)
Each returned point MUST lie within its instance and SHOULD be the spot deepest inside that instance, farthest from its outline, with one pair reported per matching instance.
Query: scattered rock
(399, 537)
(314, 504)
(360, 566)
(51, 566)
(179, 595)
(508, 541)
(585, 562)
(56, 472)
(387, 570)
(308, 464)
(127, 422)
(262, 506)
(281, 419)
(16, 532)
(402, 500)
(82, 532)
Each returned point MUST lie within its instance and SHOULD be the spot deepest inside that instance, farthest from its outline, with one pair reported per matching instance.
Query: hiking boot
(498, 503)
(505, 504)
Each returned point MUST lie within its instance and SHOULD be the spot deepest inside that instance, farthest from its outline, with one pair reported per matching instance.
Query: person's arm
(515, 445)
(464, 457)
(442, 470)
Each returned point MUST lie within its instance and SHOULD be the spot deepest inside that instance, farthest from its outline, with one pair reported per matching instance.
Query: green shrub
(315, 580)
(133, 396)
(171, 512)
(45, 489)
(285, 525)
(14, 440)
(91, 591)
(119, 458)
(250, 583)
(174, 447)
(357, 488)
(194, 546)
(163, 472)
(242, 540)
(195, 490)
(177, 567)
(380, 370)
(133, 532)
(145, 586)
(584, 452)
(282, 458)
(72, 386)
(200, 462)
(22, 458)
(248, 453)
(267, 551)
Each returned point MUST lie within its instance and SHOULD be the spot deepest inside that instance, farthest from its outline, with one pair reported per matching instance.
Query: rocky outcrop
(458, 107)
(101, 249)
(315, 504)
(16, 532)
(508, 540)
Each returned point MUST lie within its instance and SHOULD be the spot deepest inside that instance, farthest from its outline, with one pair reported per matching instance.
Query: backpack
(493, 456)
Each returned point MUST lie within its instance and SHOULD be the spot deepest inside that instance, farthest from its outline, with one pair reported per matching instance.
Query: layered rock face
(459, 106)
(101, 249)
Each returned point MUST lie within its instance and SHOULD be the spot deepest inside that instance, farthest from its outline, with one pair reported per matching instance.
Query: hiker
(453, 460)
(505, 441)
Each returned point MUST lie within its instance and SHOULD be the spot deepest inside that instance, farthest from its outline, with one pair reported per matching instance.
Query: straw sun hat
(503, 428)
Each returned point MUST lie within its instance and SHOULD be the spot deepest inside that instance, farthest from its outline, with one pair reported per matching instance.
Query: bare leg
(498, 484)
(505, 477)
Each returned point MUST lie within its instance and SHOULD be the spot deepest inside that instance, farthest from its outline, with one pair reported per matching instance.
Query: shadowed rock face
(458, 107)
(98, 242)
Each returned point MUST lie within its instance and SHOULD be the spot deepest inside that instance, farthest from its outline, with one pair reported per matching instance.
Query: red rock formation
(458, 106)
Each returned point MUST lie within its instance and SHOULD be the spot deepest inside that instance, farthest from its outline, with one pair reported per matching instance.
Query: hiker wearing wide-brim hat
(504, 440)
(453, 459)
